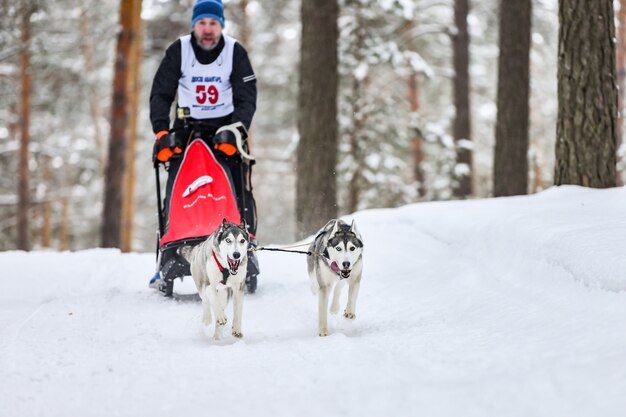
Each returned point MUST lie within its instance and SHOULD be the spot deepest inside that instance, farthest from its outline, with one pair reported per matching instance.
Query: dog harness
(223, 270)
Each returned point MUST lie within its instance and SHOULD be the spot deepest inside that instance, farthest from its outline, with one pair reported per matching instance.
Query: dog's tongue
(334, 267)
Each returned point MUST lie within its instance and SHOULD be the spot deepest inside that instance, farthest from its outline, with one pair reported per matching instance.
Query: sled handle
(238, 138)
(159, 203)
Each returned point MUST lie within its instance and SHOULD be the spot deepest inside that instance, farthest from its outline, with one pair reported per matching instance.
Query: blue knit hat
(213, 9)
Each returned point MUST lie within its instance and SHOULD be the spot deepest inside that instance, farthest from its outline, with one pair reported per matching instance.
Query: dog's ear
(244, 226)
(220, 229)
(328, 226)
(353, 229)
(335, 228)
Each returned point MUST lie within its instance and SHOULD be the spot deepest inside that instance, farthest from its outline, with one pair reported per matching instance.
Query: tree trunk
(244, 37)
(64, 229)
(116, 162)
(23, 205)
(128, 211)
(510, 168)
(359, 119)
(417, 148)
(587, 92)
(66, 200)
(462, 124)
(94, 101)
(46, 205)
(621, 76)
(357, 182)
(316, 200)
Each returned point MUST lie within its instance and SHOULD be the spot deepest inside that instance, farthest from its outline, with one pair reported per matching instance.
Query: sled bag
(202, 196)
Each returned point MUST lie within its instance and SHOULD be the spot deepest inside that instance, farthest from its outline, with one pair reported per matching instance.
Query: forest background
(396, 109)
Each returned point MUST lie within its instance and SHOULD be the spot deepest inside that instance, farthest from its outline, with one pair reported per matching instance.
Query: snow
(498, 307)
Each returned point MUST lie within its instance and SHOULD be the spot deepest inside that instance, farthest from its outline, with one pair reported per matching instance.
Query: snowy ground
(500, 307)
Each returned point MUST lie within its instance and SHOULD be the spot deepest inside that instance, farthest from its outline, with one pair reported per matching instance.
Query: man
(212, 76)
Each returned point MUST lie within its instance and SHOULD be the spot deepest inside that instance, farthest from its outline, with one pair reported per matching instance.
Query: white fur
(324, 280)
(207, 277)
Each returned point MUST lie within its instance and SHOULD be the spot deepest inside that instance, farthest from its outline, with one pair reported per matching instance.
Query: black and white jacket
(166, 81)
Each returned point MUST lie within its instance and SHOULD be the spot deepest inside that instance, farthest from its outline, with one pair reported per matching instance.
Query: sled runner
(202, 195)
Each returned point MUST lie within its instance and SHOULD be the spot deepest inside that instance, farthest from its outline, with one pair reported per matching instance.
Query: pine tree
(587, 91)
(23, 209)
(462, 120)
(116, 161)
(316, 199)
(510, 173)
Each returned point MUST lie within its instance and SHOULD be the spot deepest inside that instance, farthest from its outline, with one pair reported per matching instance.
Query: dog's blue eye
(228, 240)
(338, 248)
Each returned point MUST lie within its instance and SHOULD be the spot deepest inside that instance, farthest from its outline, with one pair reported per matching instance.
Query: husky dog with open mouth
(337, 259)
(218, 267)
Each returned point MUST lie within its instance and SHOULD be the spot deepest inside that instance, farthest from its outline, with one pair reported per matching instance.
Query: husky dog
(218, 267)
(337, 259)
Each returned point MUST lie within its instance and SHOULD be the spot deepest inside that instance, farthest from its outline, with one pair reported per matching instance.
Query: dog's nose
(346, 265)
(236, 255)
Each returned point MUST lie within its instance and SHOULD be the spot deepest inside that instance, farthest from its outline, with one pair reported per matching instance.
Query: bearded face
(207, 32)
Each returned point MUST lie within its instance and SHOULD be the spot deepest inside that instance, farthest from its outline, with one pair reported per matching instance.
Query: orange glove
(165, 146)
(224, 140)
(227, 148)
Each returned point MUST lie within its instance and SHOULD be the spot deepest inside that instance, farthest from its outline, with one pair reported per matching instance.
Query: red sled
(202, 196)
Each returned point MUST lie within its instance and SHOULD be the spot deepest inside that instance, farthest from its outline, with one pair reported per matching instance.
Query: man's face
(207, 32)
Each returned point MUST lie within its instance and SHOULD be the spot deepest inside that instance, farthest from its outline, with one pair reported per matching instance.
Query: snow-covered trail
(507, 307)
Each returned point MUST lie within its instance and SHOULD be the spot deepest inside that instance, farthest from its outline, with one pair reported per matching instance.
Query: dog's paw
(349, 315)
(237, 334)
(220, 321)
(323, 332)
